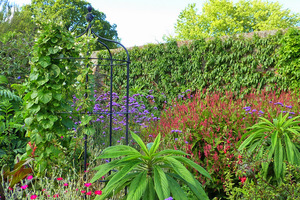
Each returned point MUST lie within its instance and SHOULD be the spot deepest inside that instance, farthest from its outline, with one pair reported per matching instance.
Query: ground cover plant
(210, 127)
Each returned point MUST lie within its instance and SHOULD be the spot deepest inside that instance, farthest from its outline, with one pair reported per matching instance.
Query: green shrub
(149, 175)
(279, 138)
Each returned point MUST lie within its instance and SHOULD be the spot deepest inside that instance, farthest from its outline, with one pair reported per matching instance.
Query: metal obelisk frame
(103, 42)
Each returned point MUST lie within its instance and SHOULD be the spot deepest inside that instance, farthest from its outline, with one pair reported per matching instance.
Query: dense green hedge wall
(218, 65)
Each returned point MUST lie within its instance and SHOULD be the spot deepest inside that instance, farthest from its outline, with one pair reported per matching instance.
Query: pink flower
(29, 177)
(10, 188)
(59, 179)
(43, 190)
(61, 137)
(89, 193)
(82, 191)
(24, 187)
(33, 196)
(87, 184)
(66, 184)
(76, 189)
(98, 192)
(56, 195)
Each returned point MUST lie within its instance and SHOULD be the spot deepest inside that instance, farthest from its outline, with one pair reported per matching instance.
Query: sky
(141, 22)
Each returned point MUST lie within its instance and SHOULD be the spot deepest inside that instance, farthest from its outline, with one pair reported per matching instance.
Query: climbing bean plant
(217, 64)
(50, 87)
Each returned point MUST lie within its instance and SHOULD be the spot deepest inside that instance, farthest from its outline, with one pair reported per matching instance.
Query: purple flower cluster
(139, 116)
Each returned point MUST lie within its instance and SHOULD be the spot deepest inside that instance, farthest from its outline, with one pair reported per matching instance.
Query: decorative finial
(89, 17)
(90, 8)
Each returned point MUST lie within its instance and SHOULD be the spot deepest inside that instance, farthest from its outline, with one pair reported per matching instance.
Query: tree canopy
(18, 27)
(72, 14)
(223, 17)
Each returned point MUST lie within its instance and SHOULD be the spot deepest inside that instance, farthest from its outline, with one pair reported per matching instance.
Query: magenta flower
(98, 192)
(87, 184)
(89, 193)
(29, 177)
(24, 187)
(33, 196)
(59, 179)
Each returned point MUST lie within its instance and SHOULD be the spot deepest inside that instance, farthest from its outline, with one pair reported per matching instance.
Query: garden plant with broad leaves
(150, 174)
(279, 139)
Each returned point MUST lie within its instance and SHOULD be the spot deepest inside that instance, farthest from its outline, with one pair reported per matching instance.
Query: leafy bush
(12, 131)
(255, 185)
(209, 128)
(289, 59)
(150, 174)
(279, 138)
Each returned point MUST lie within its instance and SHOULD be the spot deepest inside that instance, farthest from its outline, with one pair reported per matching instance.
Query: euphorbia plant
(280, 139)
(150, 174)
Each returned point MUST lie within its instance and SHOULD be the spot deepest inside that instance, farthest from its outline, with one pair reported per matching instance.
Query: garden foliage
(151, 174)
(48, 90)
(209, 128)
(219, 64)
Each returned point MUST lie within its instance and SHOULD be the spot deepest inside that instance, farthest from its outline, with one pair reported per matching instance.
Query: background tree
(16, 38)
(73, 13)
(18, 28)
(223, 17)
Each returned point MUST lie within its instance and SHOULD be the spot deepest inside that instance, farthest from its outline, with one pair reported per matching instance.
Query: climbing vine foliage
(52, 82)
(234, 63)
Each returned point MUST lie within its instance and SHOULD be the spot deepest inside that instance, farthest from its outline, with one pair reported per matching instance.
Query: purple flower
(186, 142)
(261, 112)
(176, 139)
(176, 131)
(19, 77)
(289, 106)
(292, 113)
(290, 117)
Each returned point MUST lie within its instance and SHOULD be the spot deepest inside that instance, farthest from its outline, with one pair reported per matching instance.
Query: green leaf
(89, 130)
(104, 169)
(54, 71)
(45, 61)
(163, 181)
(117, 151)
(57, 96)
(140, 143)
(28, 121)
(155, 145)
(85, 120)
(3, 80)
(176, 191)
(44, 97)
(158, 186)
(138, 186)
(33, 76)
(120, 174)
(194, 165)
(289, 146)
(278, 160)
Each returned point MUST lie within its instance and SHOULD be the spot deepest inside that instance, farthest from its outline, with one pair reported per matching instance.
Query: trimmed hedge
(218, 64)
